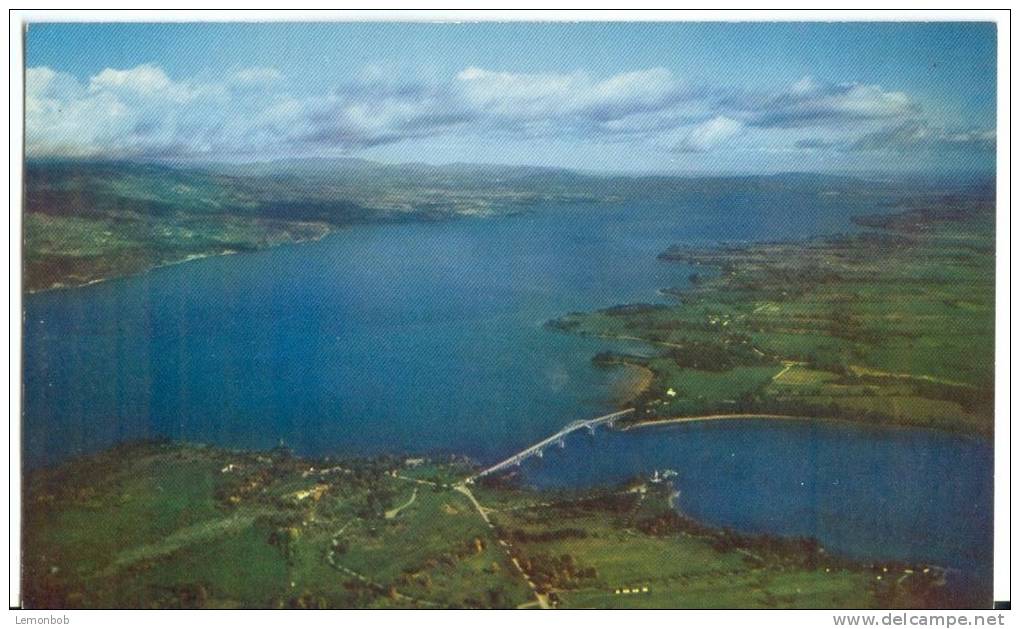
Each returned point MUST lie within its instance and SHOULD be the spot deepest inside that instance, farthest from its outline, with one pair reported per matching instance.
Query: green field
(891, 326)
(165, 525)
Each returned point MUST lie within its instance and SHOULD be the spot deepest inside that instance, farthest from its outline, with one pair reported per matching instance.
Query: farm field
(886, 326)
(168, 525)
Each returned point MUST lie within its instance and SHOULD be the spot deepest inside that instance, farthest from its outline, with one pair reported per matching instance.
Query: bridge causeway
(536, 449)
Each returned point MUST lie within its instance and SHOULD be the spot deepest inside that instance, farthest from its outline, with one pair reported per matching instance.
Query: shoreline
(636, 386)
(673, 421)
(329, 229)
(848, 423)
(621, 361)
(162, 265)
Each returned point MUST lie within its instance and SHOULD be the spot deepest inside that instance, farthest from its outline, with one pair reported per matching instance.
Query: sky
(616, 97)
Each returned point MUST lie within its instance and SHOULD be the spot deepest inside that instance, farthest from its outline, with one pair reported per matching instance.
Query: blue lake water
(429, 338)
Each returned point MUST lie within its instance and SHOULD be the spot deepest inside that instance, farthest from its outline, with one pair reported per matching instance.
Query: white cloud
(709, 135)
(145, 79)
(915, 135)
(806, 86)
(144, 112)
(576, 95)
(116, 113)
(810, 103)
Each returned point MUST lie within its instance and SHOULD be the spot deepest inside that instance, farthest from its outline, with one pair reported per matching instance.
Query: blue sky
(642, 97)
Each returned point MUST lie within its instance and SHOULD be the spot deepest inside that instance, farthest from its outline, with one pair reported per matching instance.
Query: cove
(863, 492)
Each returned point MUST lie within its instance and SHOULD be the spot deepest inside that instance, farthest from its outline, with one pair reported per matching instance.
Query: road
(704, 418)
(392, 513)
(542, 599)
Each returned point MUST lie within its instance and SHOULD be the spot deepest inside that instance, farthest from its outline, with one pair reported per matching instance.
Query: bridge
(536, 449)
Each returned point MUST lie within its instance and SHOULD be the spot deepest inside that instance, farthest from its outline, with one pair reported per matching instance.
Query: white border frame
(407, 11)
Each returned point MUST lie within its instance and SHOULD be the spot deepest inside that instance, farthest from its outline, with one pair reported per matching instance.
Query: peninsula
(882, 325)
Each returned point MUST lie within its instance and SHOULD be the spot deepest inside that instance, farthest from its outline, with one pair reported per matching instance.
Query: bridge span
(536, 449)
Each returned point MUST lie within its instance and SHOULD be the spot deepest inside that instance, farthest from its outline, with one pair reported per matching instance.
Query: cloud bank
(142, 112)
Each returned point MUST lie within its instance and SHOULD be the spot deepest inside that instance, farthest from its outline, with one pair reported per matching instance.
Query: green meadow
(159, 525)
(893, 325)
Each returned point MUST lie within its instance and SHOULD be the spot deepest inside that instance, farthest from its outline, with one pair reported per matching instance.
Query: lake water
(429, 338)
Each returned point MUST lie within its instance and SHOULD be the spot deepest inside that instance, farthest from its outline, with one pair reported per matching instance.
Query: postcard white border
(460, 11)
